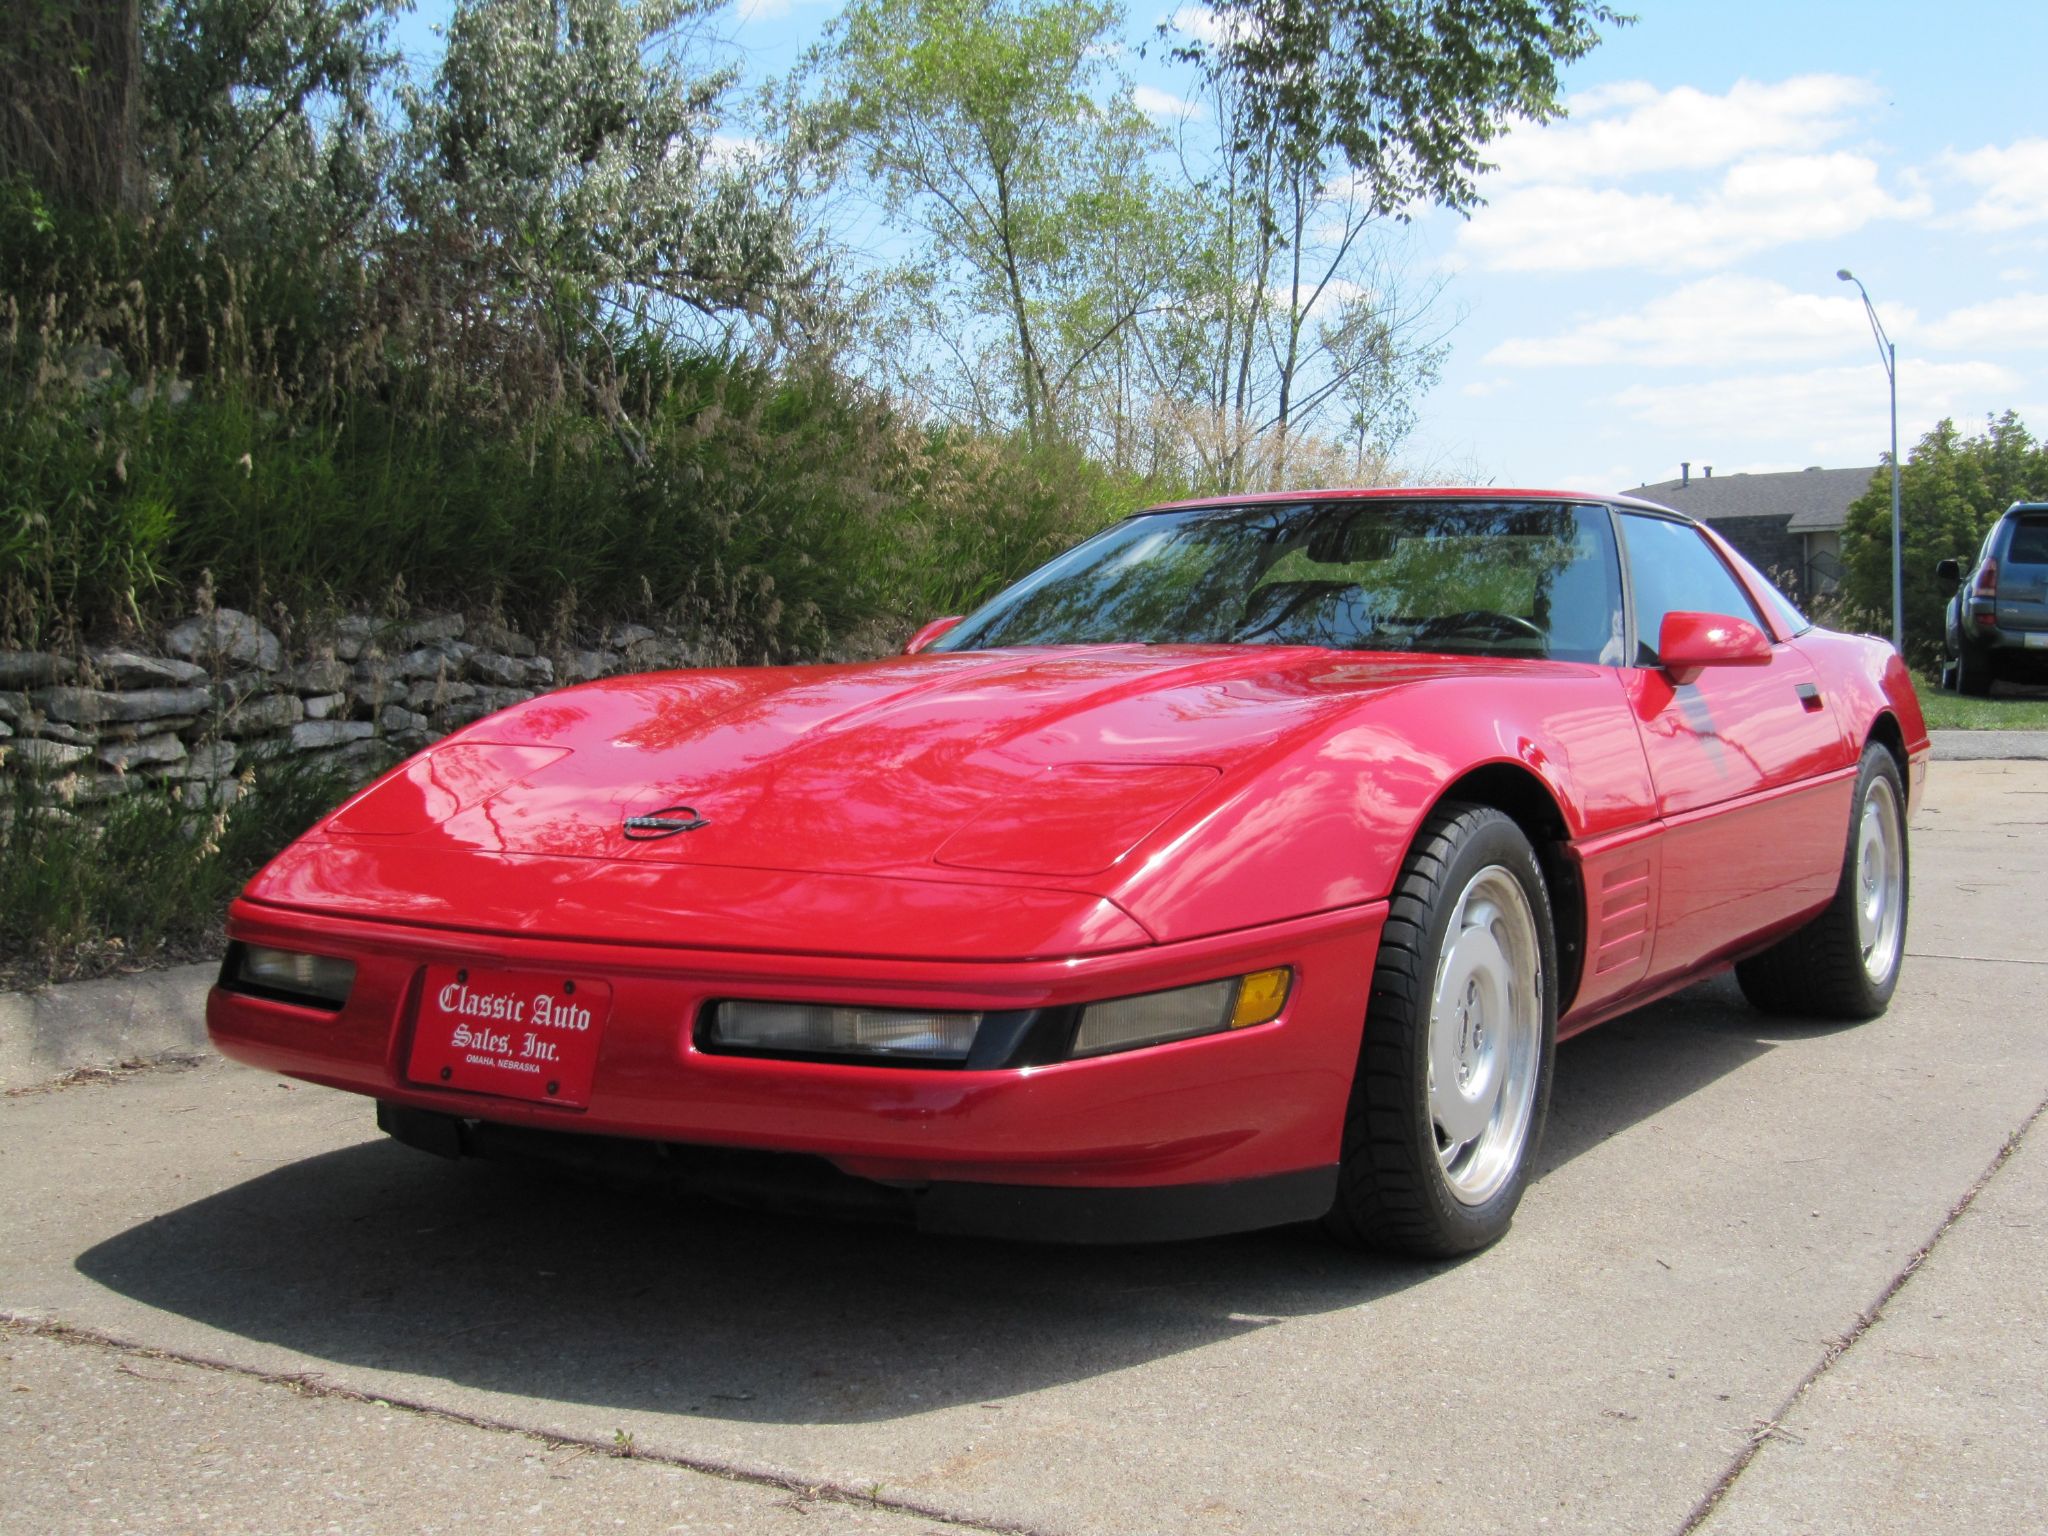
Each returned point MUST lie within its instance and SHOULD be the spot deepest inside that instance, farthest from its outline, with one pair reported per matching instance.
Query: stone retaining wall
(221, 692)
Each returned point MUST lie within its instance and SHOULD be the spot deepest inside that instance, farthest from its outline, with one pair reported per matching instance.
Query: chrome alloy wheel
(1880, 876)
(1485, 1036)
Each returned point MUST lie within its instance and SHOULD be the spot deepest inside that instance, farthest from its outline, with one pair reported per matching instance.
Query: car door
(1743, 760)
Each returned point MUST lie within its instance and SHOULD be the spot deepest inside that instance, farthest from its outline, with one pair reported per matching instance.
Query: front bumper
(1245, 1127)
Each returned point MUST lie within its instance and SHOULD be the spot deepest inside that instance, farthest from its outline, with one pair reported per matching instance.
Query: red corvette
(1241, 866)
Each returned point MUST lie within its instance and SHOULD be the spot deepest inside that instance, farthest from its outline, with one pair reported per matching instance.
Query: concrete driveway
(1773, 1278)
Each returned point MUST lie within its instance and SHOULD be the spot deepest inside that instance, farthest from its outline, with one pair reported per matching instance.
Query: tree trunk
(1036, 408)
(69, 118)
(1283, 420)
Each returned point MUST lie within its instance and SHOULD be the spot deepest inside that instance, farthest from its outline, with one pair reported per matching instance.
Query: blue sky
(1652, 279)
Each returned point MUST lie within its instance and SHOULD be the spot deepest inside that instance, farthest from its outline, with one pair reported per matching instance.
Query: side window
(1673, 570)
(1789, 619)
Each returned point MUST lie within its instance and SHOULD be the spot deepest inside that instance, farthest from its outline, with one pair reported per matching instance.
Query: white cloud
(1758, 204)
(732, 151)
(1479, 389)
(2014, 321)
(1203, 24)
(1631, 128)
(1153, 102)
(1835, 415)
(2011, 184)
(1724, 321)
(1337, 292)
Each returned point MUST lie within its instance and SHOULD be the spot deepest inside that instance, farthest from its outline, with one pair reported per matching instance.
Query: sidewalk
(106, 1023)
(1984, 746)
(1935, 1419)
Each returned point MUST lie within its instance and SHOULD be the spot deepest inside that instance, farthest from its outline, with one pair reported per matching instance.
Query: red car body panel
(1038, 828)
(1198, 789)
(658, 904)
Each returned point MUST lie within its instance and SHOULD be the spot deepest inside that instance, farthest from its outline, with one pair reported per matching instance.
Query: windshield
(1469, 577)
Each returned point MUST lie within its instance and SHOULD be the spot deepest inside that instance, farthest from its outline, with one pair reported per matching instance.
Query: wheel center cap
(1471, 1034)
(1465, 1075)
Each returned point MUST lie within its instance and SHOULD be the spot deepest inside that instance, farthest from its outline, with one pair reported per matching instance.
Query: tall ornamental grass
(773, 514)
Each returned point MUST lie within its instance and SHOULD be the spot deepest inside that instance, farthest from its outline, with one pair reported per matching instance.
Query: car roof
(1413, 493)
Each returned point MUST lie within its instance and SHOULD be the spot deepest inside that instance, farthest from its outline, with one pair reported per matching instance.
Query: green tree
(996, 131)
(246, 226)
(565, 188)
(564, 182)
(1411, 93)
(1294, 319)
(72, 77)
(262, 123)
(1951, 489)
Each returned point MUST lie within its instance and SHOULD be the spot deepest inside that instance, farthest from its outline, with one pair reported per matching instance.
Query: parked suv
(1997, 623)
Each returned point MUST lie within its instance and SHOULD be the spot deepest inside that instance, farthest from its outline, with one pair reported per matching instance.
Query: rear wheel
(1454, 1073)
(1844, 964)
(1973, 671)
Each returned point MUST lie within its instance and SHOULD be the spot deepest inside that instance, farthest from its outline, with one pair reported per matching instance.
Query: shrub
(143, 878)
(775, 518)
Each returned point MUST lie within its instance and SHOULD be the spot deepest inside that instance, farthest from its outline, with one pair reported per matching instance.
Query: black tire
(1826, 970)
(1973, 672)
(1395, 1189)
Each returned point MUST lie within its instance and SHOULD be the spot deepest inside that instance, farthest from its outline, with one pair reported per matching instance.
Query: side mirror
(931, 632)
(1690, 642)
(1949, 570)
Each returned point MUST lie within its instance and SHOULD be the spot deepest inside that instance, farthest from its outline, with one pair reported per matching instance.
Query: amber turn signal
(1261, 996)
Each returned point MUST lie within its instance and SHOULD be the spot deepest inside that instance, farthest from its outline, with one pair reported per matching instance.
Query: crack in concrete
(100, 1076)
(308, 1384)
(1865, 1321)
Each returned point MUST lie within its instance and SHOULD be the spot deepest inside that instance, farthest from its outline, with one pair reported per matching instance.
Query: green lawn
(1953, 712)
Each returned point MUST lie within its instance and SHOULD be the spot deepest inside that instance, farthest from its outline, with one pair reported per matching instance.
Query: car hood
(1088, 770)
(1046, 763)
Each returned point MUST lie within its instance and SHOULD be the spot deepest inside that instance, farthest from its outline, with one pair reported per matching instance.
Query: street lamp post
(1888, 354)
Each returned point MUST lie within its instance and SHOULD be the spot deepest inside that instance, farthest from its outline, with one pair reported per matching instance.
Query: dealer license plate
(519, 1034)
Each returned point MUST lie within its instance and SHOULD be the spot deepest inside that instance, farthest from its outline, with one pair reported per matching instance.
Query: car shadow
(380, 1257)
(1628, 1069)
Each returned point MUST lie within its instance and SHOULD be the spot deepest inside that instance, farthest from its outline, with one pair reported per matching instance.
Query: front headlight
(1183, 1013)
(1029, 1037)
(813, 1029)
(311, 981)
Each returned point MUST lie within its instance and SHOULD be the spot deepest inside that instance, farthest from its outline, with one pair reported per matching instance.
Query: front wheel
(1844, 964)
(1453, 1078)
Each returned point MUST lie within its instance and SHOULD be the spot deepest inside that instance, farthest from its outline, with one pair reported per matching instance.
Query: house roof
(1815, 500)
